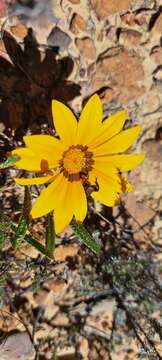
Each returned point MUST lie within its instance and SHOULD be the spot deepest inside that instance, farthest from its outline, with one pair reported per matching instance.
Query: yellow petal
(47, 146)
(121, 162)
(80, 201)
(72, 201)
(111, 176)
(108, 192)
(65, 123)
(90, 120)
(28, 160)
(64, 208)
(118, 143)
(110, 127)
(33, 181)
(48, 197)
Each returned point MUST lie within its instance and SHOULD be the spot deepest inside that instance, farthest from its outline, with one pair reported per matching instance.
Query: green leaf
(20, 232)
(50, 234)
(9, 162)
(38, 246)
(86, 238)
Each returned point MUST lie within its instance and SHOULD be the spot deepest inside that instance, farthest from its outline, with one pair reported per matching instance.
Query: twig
(136, 325)
(21, 320)
(94, 331)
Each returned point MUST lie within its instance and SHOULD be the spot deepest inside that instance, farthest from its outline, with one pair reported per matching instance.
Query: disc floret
(76, 161)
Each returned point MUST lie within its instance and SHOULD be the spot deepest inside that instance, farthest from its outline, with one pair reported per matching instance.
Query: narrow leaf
(38, 246)
(86, 238)
(9, 162)
(50, 234)
(20, 232)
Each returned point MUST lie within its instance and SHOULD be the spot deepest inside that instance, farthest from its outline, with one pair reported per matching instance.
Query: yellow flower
(84, 157)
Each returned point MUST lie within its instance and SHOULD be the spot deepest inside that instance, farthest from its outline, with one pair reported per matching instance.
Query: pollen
(76, 162)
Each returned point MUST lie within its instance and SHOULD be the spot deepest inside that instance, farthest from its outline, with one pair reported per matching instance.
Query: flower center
(76, 162)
